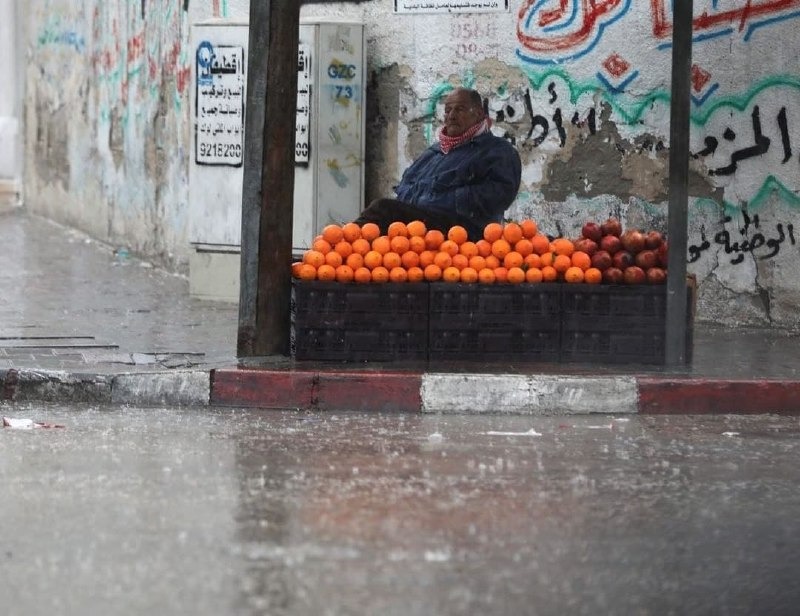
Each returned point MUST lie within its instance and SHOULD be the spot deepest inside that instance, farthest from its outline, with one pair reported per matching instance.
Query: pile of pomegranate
(625, 257)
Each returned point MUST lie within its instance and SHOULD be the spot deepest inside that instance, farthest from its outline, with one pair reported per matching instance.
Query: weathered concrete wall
(9, 121)
(107, 119)
(582, 89)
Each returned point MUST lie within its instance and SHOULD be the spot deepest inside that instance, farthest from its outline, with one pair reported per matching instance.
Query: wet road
(213, 512)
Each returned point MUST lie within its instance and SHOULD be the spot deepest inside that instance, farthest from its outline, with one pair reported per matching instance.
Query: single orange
(563, 246)
(433, 239)
(477, 263)
(524, 247)
(362, 275)
(540, 243)
(486, 276)
(581, 259)
(501, 274)
(468, 249)
(398, 274)
(416, 243)
(515, 275)
(549, 273)
(450, 247)
(512, 233)
(334, 259)
(562, 263)
(373, 259)
(296, 268)
(391, 260)
(344, 273)
(512, 259)
(321, 245)
(460, 261)
(415, 274)
(533, 260)
(451, 274)
(410, 259)
(416, 228)
(533, 274)
(500, 248)
(426, 258)
(593, 276)
(573, 274)
(468, 275)
(492, 232)
(355, 261)
(399, 244)
(314, 257)
(484, 248)
(351, 232)
(380, 274)
(397, 228)
(433, 272)
(442, 259)
(344, 248)
(457, 234)
(546, 258)
(492, 262)
(332, 234)
(381, 244)
(361, 246)
(307, 272)
(326, 272)
(369, 231)
(529, 228)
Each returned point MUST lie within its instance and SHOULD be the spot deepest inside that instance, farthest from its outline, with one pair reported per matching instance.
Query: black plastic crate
(352, 322)
(615, 324)
(495, 322)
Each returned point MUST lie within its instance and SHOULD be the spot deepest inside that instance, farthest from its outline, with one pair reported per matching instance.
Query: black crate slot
(472, 322)
(613, 324)
(346, 322)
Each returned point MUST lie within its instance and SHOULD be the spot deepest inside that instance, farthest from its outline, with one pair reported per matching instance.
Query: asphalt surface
(220, 511)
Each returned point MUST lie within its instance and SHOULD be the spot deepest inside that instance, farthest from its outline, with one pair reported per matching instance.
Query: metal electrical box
(329, 149)
(329, 153)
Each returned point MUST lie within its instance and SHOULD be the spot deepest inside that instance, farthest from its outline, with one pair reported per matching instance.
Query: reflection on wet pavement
(244, 512)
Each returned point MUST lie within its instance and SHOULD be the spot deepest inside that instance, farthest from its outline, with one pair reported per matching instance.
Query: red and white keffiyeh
(448, 143)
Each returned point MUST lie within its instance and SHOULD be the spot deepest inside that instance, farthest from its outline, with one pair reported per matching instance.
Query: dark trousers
(383, 212)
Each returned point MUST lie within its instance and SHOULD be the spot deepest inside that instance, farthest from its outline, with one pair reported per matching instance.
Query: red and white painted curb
(532, 394)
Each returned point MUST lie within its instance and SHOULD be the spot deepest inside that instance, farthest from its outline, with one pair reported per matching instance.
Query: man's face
(459, 113)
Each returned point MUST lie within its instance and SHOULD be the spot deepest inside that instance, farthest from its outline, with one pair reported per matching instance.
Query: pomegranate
(613, 275)
(656, 275)
(586, 245)
(592, 231)
(634, 275)
(653, 239)
(601, 260)
(612, 226)
(646, 259)
(633, 240)
(611, 244)
(661, 251)
(622, 259)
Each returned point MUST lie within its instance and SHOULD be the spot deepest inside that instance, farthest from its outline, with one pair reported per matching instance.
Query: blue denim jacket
(475, 182)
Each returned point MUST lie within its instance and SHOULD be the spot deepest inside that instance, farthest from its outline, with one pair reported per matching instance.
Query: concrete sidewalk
(82, 321)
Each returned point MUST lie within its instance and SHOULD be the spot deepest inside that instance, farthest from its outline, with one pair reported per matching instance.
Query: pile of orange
(508, 253)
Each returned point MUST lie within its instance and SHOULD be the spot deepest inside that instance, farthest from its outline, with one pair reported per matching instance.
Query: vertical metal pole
(675, 344)
(268, 185)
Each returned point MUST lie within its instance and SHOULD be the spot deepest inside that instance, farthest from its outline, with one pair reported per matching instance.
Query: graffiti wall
(107, 119)
(581, 88)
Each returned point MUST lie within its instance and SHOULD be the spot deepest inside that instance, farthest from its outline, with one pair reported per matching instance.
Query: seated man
(468, 177)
